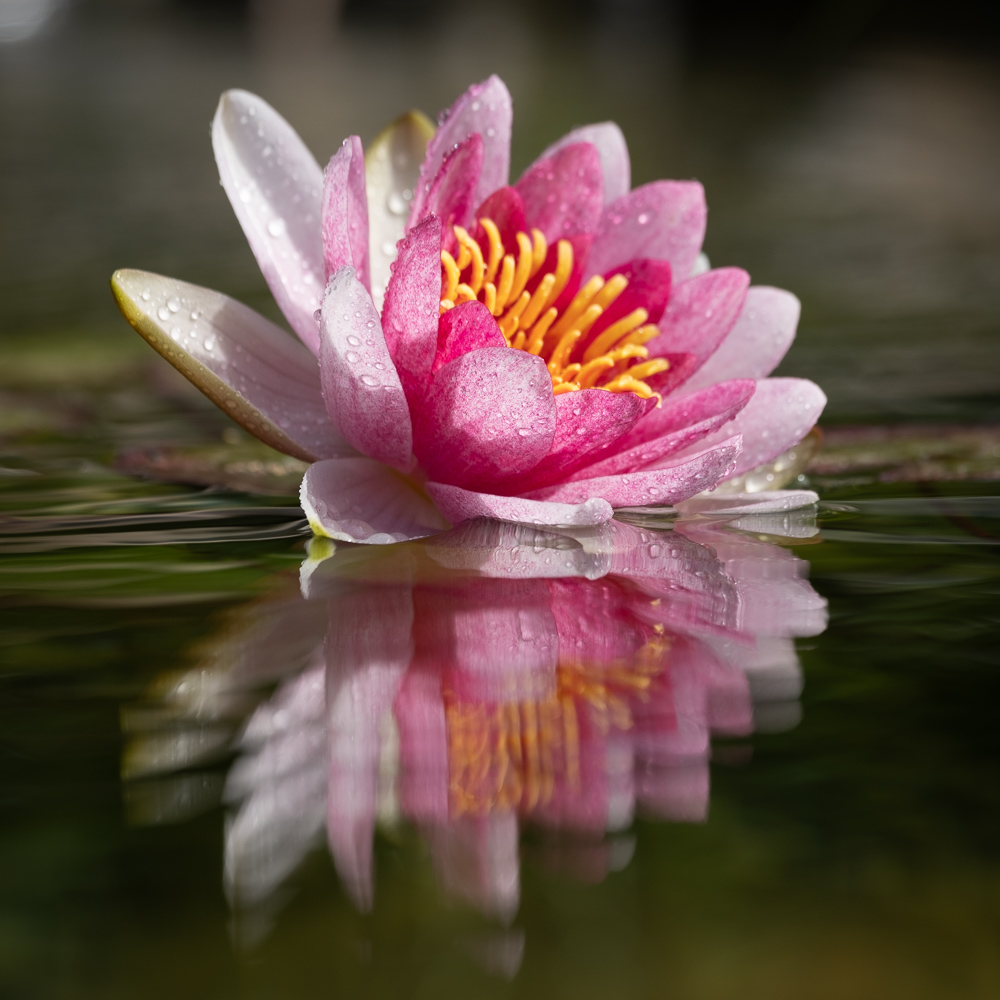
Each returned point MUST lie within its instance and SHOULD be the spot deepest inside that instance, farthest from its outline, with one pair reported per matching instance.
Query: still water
(703, 756)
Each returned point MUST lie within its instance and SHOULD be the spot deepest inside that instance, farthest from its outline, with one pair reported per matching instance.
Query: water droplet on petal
(276, 227)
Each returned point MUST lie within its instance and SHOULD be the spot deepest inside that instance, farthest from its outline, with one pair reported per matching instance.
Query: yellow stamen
(539, 330)
(539, 250)
(496, 247)
(593, 370)
(615, 285)
(476, 258)
(464, 294)
(561, 353)
(641, 336)
(490, 296)
(643, 371)
(580, 302)
(509, 323)
(517, 341)
(452, 276)
(538, 300)
(609, 337)
(505, 284)
(560, 387)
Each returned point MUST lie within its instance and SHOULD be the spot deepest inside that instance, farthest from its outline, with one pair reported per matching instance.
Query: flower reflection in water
(490, 678)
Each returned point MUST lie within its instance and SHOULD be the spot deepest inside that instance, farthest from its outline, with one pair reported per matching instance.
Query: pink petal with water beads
(361, 500)
(588, 423)
(460, 505)
(251, 369)
(664, 220)
(681, 427)
(453, 190)
(413, 305)
(607, 139)
(368, 648)
(470, 326)
(660, 486)
(758, 341)
(487, 416)
(564, 194)
(362, 391)
(781, 413)
(345, 212)
(276, 188)
(484, 108)
(701, 312)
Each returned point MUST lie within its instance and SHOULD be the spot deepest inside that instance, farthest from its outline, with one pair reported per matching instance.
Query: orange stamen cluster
(530, 321)
(511, 755)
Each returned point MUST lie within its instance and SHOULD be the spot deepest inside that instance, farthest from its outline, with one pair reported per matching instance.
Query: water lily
(542, 352)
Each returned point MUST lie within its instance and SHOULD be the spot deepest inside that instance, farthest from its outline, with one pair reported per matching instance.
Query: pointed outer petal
(345, 212)
(413, 306)
(733, 504)
(663, 486)
(758, 341)
(520, 551)
(664, 220)
(506, 209)
(363, 394)
(686, 422)
(361, 500)
(276, 188)
(368, 648)
(648, 287)
(564, 194)
(588, 424)
(701, 312)
(453, 190)
(423, 746)
(487, 416)
(460, 505)
(484, 108)
(581, 249)
(779, 415)
(468, 327)
(251, 369)
(392, 169)
(607, 139)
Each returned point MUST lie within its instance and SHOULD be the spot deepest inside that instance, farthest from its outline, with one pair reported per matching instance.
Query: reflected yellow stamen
(530, 321)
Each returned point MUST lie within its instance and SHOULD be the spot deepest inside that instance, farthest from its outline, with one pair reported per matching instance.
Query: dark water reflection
(495, 677)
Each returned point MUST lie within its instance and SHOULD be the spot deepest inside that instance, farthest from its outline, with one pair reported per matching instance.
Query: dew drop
(368, 380)
(396, 203)
(174, 305)
(276, 227)
(643, 218)
(146, 296)
(389, 248)
(353, 357)
(163, 312)
(354, 341)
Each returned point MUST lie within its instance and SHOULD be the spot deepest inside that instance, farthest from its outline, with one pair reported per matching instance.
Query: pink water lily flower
(542, 352)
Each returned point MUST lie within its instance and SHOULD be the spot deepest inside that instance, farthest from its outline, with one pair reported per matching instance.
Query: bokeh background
(849, 148)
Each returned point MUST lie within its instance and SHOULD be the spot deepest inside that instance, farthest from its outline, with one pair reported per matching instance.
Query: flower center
(530, 321)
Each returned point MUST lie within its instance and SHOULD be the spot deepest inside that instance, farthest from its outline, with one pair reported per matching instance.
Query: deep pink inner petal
(607, 139)
(468, 327)
(564, 194)
(345, 212)
(664, 220)
(588, 423)
(506, 209)
(454, 188)
(361, 389)
(412, 306)
(487, 416)
(648, 288)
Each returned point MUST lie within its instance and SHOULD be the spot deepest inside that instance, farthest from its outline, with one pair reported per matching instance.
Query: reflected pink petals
(345, 212)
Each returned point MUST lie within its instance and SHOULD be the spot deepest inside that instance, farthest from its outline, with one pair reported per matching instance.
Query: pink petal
(664, 220)
(413, 305)
(692, 408)
(701, 312)
(276, 188)
(757, 342)
(487, 415)
(607, 139)
(454, 188)
(362, 391)
(564, 194)
(686, 422)
(648, 288)
(588, 422)
(345, 212)
(460, 505)
(506, 209)
(361, 500)
(423, 745)
(484, 108)
(781, 413)
(659, 487)
(251, 369)
(468, 327)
